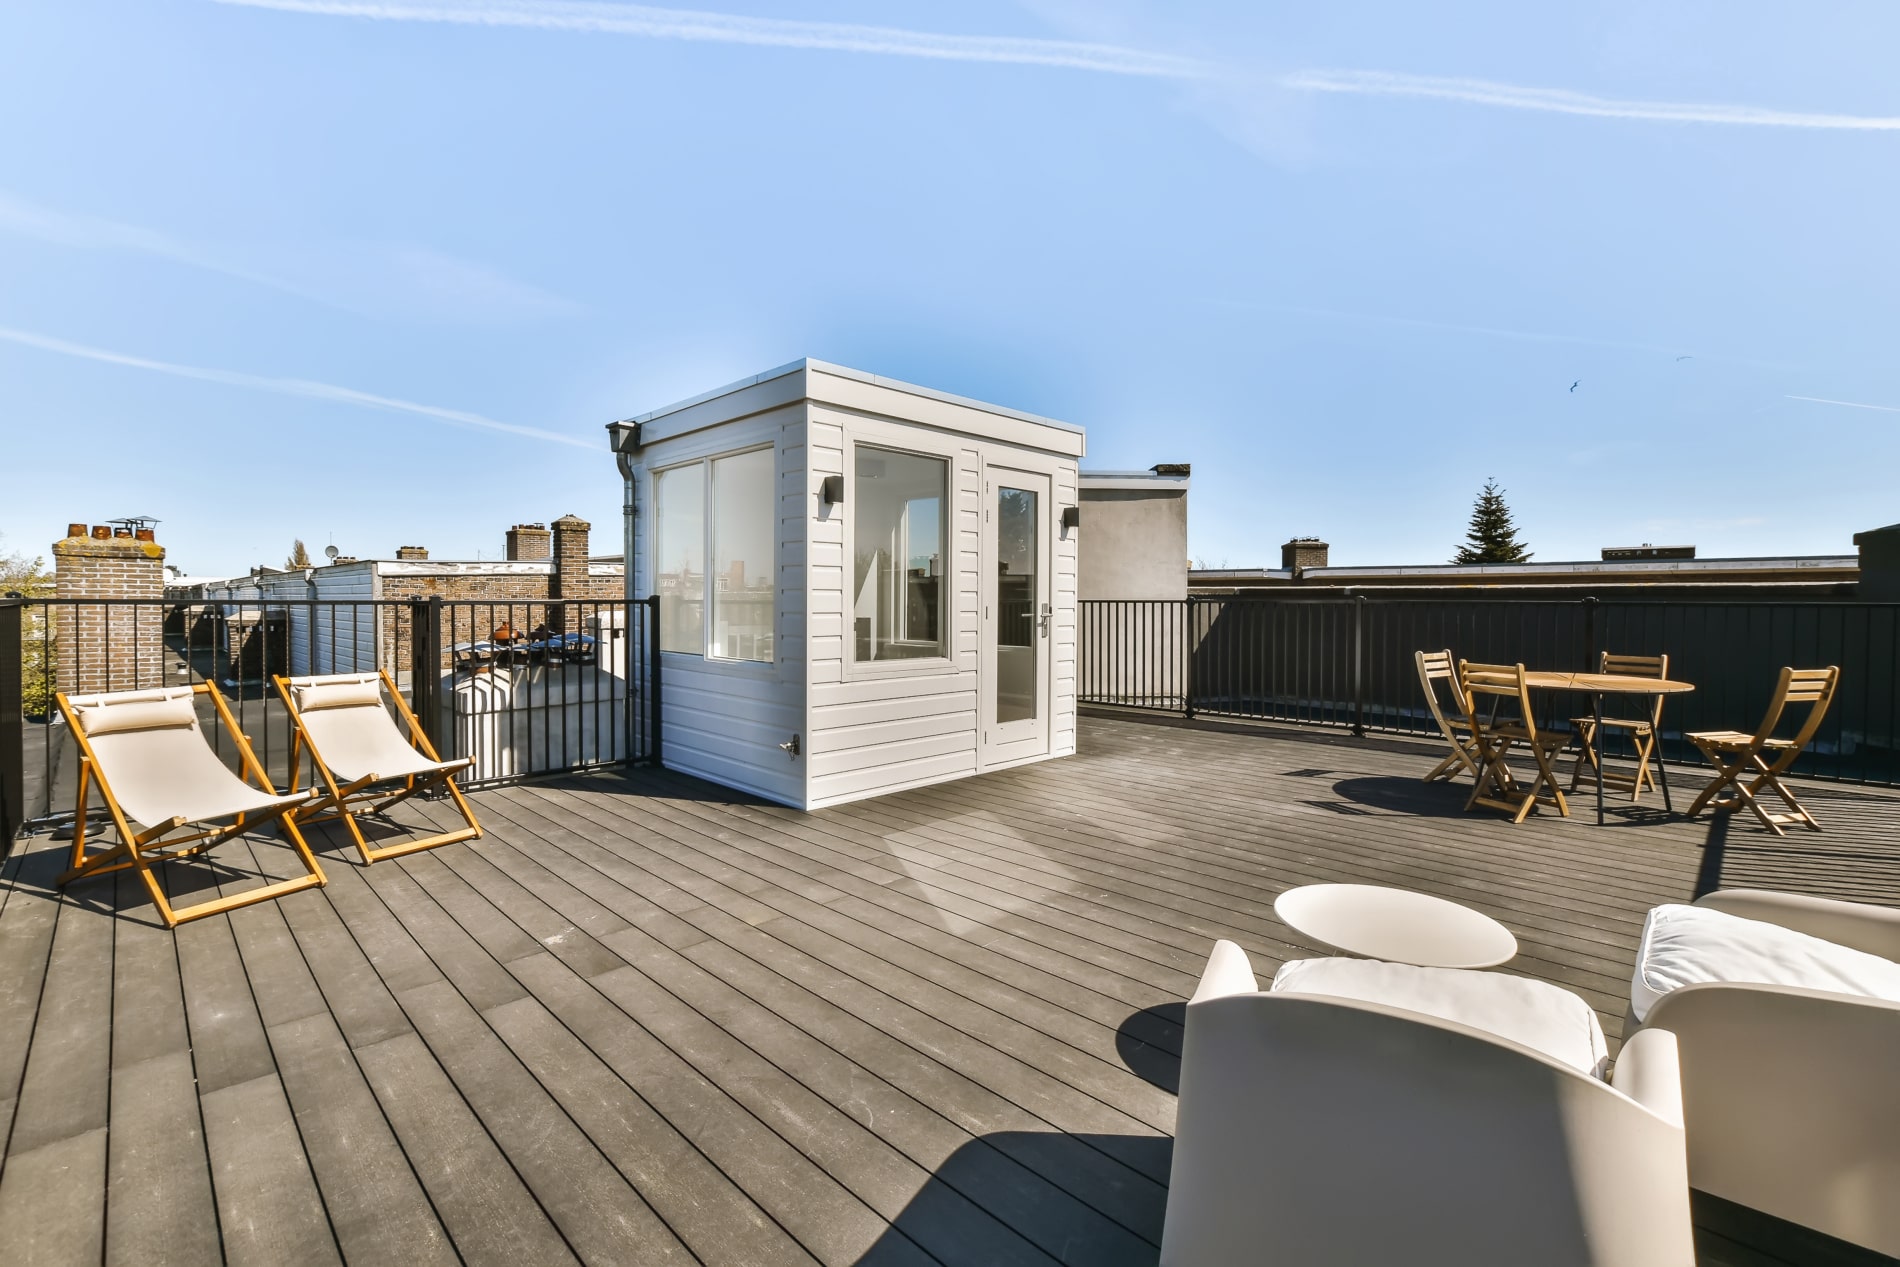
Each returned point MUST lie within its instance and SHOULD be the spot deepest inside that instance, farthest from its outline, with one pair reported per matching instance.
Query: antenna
(330, 552)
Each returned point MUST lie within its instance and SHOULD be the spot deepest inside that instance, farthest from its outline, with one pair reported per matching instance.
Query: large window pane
(897, 524)
(743, 580)
(679, 558)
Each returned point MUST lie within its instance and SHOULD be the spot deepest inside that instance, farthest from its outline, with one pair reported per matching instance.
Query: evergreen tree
(299, 557)
(1492, 536)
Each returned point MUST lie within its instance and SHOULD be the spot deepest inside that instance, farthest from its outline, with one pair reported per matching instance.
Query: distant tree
(1492, 535)
(299, 557)
(29, 578)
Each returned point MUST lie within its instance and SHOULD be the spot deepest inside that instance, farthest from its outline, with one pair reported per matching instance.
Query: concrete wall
(1133, 543)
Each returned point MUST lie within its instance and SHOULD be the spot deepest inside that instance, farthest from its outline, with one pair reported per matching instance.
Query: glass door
(1016, 616)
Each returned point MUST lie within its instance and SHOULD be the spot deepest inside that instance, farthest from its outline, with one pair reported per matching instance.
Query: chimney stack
(570, 557)
(1302, 553)
(417, 553)
(102, 648)
(528, 542)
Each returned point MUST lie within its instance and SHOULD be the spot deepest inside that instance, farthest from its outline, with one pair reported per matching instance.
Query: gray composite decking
(648, 1020)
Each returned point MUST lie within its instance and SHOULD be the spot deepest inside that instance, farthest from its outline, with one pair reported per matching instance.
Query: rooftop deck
(648, 1020)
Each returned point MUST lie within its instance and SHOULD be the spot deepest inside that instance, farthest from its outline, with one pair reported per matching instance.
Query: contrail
(1847, 404)
(286, 387)
(728, 28)
(1483, 92)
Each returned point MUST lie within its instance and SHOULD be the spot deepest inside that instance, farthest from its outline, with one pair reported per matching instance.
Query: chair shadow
(1398, 795)
(1149, 1043)
(1029, 1196)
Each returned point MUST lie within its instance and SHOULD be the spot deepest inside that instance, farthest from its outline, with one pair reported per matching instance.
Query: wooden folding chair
(1497, 787)
(1435, 667)
(154, 766)
(365, 761)
(1642, 730)
(1734, 754)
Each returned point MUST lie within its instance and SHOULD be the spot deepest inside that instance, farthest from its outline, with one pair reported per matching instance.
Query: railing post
(12, 723)
(1590, 634)
(425, 667)
(652, 602)
(1359, 664)
(1187, 657)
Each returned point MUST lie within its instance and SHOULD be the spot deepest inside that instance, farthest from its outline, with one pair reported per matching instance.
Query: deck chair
(1762, 756)
(1642, 730)
(1435, 667)
(363, 758)
(153, 765)
(1498, 788)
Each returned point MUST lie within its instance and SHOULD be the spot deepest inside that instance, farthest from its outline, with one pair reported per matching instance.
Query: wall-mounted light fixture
(831, 491)
(1071, 517)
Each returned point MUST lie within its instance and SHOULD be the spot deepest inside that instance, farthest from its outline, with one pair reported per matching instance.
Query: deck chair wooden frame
(371, 793)
(138, 850)
(1735, 755)
(1497, 787)
(1643, 731)
(1434, 667)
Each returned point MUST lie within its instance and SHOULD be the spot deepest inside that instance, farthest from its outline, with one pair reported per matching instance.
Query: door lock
(790, 747)
(1043, 620)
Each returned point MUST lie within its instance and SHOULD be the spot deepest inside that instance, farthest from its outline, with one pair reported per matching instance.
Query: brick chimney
(1302, 553)
(528, 542)
(101, 648)
(416, 553)
(570, 557)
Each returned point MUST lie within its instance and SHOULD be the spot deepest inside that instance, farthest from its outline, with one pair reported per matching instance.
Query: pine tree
(1492, 536)
(299, 557)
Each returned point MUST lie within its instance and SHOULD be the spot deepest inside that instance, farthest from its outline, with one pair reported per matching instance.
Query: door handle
(1043, 620)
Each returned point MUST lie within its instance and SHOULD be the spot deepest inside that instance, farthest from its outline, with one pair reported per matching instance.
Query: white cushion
(338, 692)
(155, 709)
(1535, 1014)
(1683, 945)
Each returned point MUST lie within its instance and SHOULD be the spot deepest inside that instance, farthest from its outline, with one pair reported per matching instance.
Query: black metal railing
(523, 687)
(1348, 662)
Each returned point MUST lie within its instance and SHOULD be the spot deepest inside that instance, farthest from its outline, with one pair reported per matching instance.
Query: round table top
(1605, 683)
(1396, 925)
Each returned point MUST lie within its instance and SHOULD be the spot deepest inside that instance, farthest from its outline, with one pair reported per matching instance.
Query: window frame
(921, 666)
(704, 462)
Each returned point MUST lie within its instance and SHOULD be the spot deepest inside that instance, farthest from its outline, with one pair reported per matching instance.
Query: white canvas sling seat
(155, 769)
(1786, 1009)
(1325, 1130)
(343, 721)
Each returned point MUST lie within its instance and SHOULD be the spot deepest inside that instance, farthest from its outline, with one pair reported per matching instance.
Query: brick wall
(108, 648)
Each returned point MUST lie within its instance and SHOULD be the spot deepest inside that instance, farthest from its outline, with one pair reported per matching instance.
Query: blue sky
(377, 271)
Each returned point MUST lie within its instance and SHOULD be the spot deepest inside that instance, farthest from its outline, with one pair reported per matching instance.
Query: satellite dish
(330, 552)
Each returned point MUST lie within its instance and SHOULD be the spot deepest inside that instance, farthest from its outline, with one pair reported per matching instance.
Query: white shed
(864, 585)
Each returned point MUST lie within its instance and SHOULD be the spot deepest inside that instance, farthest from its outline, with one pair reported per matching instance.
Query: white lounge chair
(153, 766)
(1321, 1130)
(365, 761)
(1787, 1010)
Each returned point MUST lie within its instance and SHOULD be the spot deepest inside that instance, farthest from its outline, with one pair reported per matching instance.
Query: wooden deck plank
(647, 1019)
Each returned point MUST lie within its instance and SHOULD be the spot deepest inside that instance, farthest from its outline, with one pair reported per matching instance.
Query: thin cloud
(1481, 92)
(729, 28)
(286, 387)
(1848, 404)
(367, 278)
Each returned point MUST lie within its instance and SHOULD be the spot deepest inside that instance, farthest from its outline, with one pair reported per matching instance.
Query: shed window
(897, 529)
(722, 509)
(679, 558)
(743, 581)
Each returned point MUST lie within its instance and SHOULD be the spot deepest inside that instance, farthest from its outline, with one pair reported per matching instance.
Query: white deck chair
(359, 753)
(154, 766)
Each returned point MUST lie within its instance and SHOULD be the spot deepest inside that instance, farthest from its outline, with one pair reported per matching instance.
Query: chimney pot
(102, 532)
(145, 534)
(75, 530)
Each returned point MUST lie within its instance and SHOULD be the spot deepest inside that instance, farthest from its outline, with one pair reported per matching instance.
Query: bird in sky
(1573, 386)
(1685, 358)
